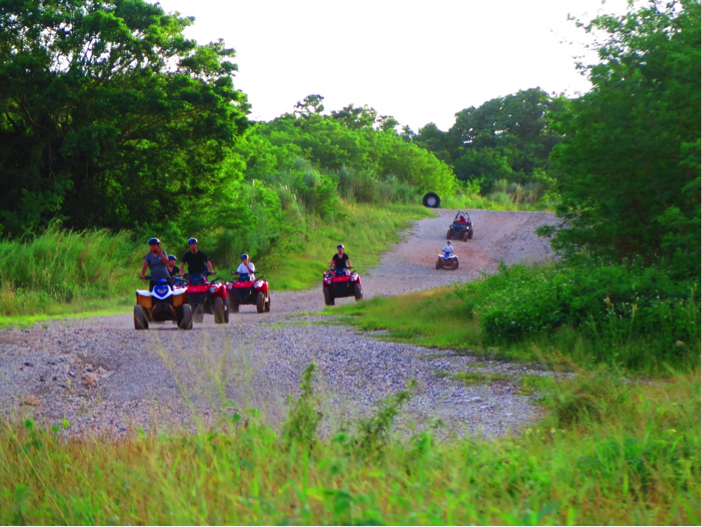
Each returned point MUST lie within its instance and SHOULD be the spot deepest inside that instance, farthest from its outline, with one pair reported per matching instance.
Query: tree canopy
(629, 163)
(108, 113)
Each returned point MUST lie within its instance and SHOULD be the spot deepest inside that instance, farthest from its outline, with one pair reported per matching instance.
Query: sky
(420, 62)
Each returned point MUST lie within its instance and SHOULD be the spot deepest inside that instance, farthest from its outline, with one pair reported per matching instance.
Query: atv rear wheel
(226, 316)
(260, 302)
(268, 304)
(218, 311)
(186, 321)
(328, 299)
(140, 321)
(358, 292)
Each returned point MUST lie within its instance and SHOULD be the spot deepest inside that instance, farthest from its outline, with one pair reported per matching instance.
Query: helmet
(244, 256)
(340, 246)
(154, 241)
(171, 257)
(448, 241)
(192, 240)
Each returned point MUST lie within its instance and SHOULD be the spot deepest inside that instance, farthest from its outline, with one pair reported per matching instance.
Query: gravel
(103, 377)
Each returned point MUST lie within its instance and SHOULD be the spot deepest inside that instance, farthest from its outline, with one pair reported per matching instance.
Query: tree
(629, 161)
(108, 114)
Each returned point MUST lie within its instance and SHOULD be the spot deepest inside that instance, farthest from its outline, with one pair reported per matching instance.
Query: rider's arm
(209, 266)
(348, 263)
(162, 254)
(143, 269)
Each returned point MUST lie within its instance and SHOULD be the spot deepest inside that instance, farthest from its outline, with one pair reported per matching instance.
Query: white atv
(163, 302)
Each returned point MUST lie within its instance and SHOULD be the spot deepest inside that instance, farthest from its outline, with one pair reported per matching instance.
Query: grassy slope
(367, 232)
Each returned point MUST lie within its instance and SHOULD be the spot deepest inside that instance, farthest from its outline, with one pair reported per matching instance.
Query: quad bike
(447, 260)
(245, 291)
(207, 297)
(163, 302)
(461, 228)
(341, 283)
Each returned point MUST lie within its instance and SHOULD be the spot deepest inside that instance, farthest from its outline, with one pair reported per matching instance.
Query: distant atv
(164, 302)
(461, 228)
(207, 297)
(245, 291)
(341, 283)
(447, 260)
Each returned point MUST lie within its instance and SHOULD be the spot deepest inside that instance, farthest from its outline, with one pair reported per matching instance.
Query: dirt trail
(105, 377)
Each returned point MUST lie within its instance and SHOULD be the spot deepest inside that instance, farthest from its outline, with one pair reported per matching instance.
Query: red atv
(341, 283)
(245, 291)
(207, 297)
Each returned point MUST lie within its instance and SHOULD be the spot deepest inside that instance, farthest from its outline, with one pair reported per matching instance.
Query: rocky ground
(103, 377)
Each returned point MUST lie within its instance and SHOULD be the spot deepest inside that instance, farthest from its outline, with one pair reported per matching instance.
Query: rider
(448, 248)
(197, 263)
(157, 261)
(340, 260)
(246, 267)
(462, 220)
(173, 270)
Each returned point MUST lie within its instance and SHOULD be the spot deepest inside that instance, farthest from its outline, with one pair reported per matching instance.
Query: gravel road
(105, 378)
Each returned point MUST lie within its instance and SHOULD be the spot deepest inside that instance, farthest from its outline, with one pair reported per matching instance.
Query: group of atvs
(184, 302)
(462, 229)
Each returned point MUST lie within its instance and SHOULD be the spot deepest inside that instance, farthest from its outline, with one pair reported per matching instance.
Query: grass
(609, 452)
(367, 231)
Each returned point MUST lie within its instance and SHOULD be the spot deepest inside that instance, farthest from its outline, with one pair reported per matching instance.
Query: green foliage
(304, 417)
(640, 319)
(506, 138)
(61, 266)
(629, 162)
(611, 450)
(109, 116)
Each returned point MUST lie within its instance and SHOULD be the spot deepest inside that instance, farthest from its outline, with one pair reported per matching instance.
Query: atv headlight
(229, 286)
(213, 289)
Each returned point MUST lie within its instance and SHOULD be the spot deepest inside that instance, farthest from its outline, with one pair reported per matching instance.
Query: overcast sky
(420, 62)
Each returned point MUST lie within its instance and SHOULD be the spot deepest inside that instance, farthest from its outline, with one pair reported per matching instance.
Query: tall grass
(64, 267)
(610, 452)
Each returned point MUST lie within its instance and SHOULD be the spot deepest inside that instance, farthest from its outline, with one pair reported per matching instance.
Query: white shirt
(448, 249)
(242, 269)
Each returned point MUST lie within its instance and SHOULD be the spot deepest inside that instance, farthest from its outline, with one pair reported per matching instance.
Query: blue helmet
(340, 246)
(192, 240)
(244, 256)
(171, 257)
(153, 241)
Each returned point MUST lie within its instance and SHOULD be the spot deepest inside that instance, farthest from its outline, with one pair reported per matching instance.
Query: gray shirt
(158, 268)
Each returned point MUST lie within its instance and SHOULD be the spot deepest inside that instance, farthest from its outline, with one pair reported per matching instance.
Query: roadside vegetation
(609, 452)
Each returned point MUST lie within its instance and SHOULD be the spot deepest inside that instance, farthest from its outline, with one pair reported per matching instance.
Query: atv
(461, 228)
(163, 302)
(207, 297)
(245, 291)
(447, 260)
(341, 283)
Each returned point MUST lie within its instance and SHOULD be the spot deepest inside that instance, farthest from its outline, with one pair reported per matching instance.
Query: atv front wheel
(140, 321)
(186, 321)
(260, 302)
(465, 236)
(470, 235)
(218, 311)
(328, 300)
(454, 265)
(358, 292)
(438, 264)
(448, 234)
(268, 304)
